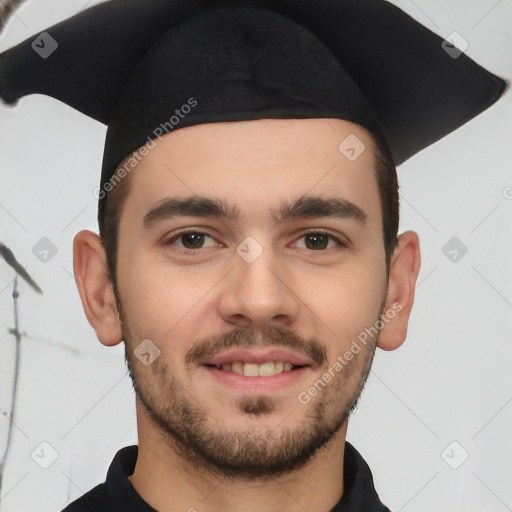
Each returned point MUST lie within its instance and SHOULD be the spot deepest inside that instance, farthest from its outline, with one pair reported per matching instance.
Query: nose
(259, 294)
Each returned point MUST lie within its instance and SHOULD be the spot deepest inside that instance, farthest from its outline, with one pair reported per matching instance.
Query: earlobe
(403, 274)
(95, 288)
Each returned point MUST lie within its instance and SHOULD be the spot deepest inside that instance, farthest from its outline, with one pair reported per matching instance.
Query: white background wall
(451, 381)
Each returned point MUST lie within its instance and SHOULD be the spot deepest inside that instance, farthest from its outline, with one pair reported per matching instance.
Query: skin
(193, 301)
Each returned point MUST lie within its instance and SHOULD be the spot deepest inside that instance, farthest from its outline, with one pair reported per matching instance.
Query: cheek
(348, 302)
(161, 300)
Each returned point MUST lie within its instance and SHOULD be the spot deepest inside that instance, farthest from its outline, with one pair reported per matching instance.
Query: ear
(95, 288)
(403, 273)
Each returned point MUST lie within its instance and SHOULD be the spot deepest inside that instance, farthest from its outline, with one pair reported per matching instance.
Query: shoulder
(96, 500)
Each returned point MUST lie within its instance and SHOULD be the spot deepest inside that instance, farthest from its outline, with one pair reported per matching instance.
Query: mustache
(244, 337)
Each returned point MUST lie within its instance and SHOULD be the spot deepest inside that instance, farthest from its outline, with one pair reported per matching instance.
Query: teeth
(266, 369)
(251, 369)
(254, 369)
(237, 368)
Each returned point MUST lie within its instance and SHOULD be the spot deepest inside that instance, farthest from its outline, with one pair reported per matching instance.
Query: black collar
(118, 495)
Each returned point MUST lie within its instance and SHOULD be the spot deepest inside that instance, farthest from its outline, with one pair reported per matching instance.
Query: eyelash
(178, 235)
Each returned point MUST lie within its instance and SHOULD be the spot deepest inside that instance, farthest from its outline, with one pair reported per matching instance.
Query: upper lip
(259, 357)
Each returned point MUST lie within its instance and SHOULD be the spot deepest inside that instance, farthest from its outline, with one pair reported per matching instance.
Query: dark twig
(17, 336)
(9, 258)
(7, 8)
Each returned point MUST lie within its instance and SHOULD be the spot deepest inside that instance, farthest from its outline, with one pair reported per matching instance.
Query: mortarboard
(148, 67)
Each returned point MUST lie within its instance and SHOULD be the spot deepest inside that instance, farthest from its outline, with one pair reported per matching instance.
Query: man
(248, 255)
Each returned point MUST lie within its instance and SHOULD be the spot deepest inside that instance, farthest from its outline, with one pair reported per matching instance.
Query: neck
(160, 479)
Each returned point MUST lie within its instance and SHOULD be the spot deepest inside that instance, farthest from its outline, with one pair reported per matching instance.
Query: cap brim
(417, 89)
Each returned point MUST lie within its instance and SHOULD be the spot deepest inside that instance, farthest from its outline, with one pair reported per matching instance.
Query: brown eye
(192, 240)
(318, 241)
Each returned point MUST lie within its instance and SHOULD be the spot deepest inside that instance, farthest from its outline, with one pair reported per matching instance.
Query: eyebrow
(313, 206)
(303, 207)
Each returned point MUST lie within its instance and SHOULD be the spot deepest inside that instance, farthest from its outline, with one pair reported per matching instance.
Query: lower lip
(257, 384)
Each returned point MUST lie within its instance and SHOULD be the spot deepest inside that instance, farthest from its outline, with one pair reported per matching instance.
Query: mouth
(258, 370)
(267, 369)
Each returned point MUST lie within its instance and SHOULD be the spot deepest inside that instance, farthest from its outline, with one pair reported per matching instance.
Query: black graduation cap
(148, 67)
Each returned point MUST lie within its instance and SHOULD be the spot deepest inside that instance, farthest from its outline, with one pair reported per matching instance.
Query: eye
(319, 240)
(192, 240)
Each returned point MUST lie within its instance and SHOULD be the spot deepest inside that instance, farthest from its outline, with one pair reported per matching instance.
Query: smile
(257, 370)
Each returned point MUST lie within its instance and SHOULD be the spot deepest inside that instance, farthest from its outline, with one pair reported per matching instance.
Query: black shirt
(117, 494)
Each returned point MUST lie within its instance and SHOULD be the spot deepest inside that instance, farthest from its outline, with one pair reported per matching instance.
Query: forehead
(256, 164)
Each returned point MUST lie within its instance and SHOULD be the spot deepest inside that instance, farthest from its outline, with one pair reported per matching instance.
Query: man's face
(289, 293)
